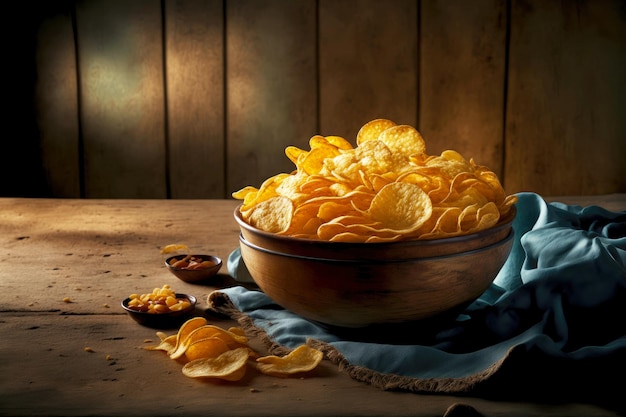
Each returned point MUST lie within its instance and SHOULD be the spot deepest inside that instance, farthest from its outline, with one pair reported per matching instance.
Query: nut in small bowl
(162, 319)
(193, 268)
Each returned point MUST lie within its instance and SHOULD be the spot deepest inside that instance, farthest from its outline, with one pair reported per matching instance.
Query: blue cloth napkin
(556, 311)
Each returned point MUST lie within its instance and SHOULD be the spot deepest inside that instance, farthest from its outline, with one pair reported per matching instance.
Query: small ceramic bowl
(194, 275)
(161, 320)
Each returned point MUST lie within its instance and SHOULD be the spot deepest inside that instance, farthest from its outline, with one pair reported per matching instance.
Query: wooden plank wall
(198, 98)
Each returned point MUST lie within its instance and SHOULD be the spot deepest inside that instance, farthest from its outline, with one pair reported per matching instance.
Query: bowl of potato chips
(378, 233)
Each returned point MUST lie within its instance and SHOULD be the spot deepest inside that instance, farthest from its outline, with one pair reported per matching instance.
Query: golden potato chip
(318, 141)
(359, 233)
(174, 247)
(302, 359)
(210, 351)
(209, 347)
(204, 332)
(342, 236)
(468, 217)
(343, 167)
(310, 227)
(372, 129)
(403, 139)
(273, 215)
(387, 238)
(168, 344)
(375, 157)
(187, 328)
(386, 188)
(448, 164)
(505, 207)
(162, 336)
(229, 366)
(266, 191)
(448, 221)
(244, 192)
(330, 210)
(316, 184)
(335, 232)
(302, 218)
(290, 187)
(294, 154)
(379, 181)
(237, 331)
(400, 206)
(487, 216)
(339, 142)
(314, 162)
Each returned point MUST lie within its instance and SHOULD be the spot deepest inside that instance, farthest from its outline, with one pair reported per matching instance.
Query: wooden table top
(95, 253)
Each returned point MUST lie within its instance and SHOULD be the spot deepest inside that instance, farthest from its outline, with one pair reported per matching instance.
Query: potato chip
(372, 129)
(168, 344)
(379, 181)
(229, 366)
(313, 162)
(330, 210)
(386, 188)
(487, 216)
(401, 206)
(318, 141)
(448, 164)
(209, 347)
(403, 139)
(273, 215)
(213, 352)
(204, 332)
(294, 154)
(174, 247)
(237, 331)
(266, 191)
(162, 336)
(244, 192)
(301, 218)
(187, 328)
(380, 239)
(339, 142)
(302, 359)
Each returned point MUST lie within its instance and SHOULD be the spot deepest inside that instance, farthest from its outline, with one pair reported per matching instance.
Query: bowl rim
(190, 297)
(372, 261)
(218, 262)
(507, 222)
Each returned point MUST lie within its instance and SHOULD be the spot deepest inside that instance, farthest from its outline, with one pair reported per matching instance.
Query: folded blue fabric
(560, 295)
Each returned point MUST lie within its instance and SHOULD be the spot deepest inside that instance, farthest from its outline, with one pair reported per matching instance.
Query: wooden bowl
(355, 285)
(356, 251)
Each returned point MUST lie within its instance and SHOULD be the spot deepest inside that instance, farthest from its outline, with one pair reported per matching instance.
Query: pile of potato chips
(212, 352)
(387, 188)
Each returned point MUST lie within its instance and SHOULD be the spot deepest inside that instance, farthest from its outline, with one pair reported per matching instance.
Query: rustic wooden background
(197, 98)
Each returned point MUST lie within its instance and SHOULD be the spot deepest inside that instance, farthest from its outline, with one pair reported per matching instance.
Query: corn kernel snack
(160, 300)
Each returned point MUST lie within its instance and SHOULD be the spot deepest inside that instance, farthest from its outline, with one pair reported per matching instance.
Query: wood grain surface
(194, 70)
(96, 252)
(120, 55)
(198, 98)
